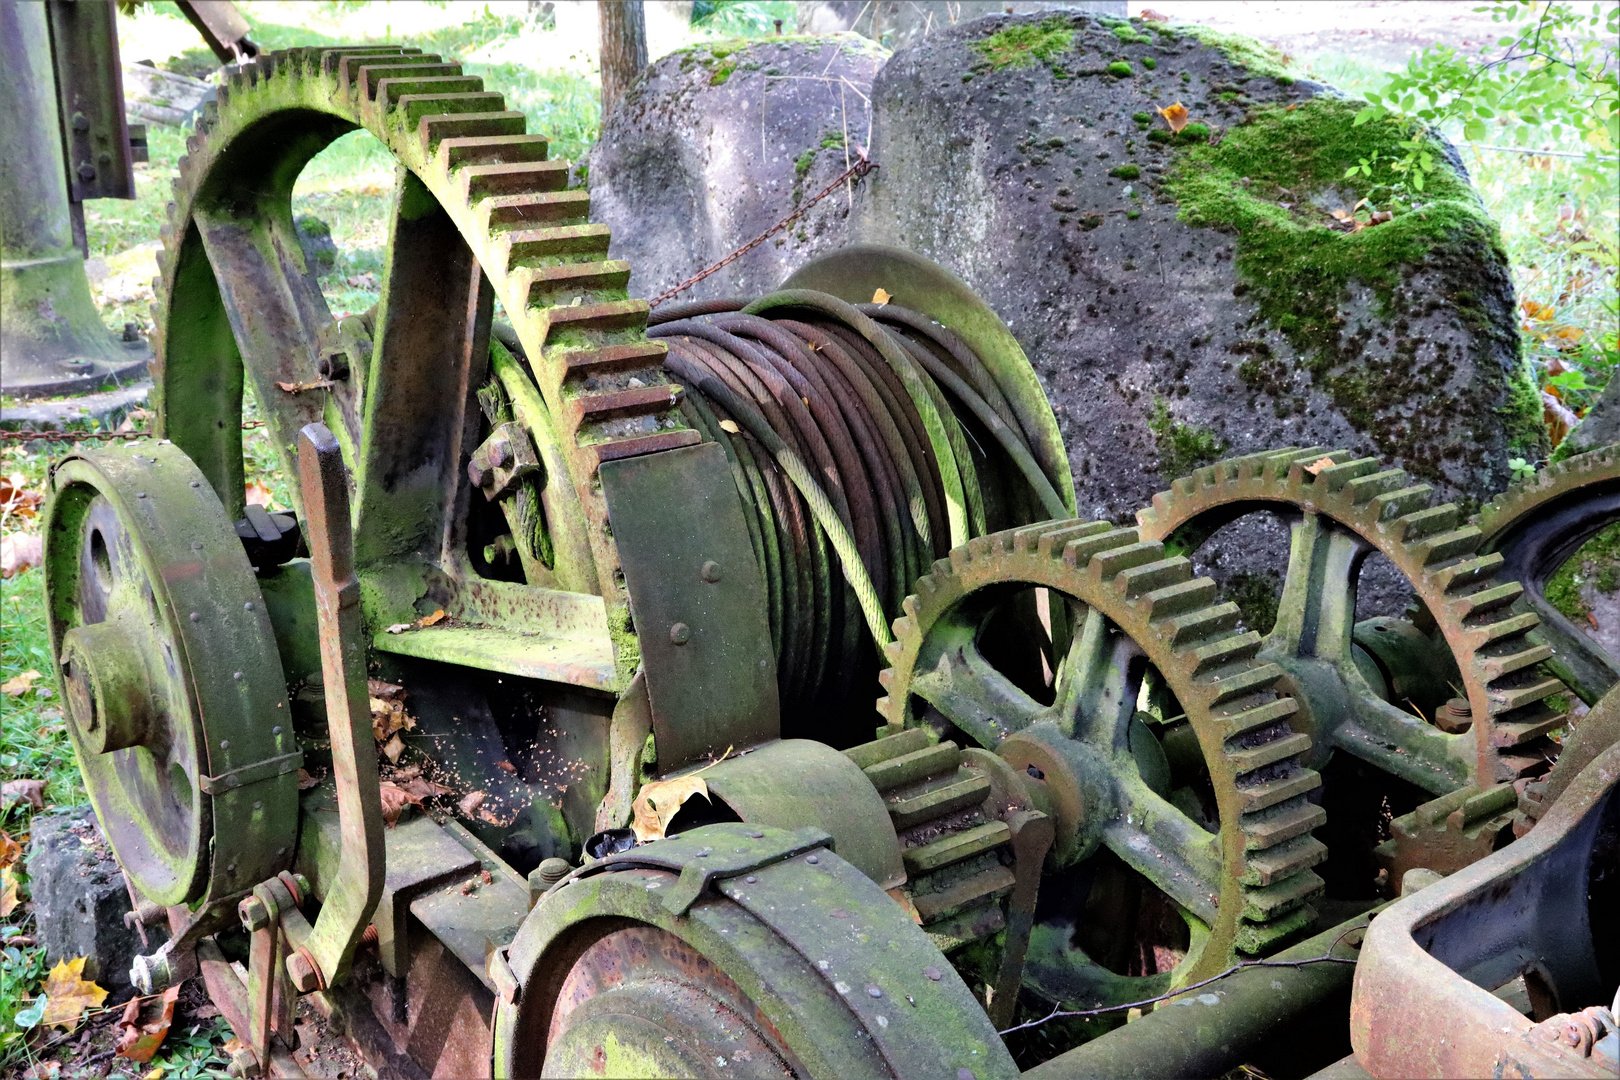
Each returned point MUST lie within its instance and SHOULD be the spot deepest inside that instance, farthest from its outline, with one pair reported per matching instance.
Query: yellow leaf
(10, 850)
(255, 492)
(1315, 468)
(731, 426)
(1176, 117)
(660, 801)
(880, 297)
(18, 685)
(8, 893)
(70, 994)
(429, 620)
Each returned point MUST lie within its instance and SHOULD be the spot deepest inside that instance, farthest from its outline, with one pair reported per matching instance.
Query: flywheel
(1156, 738)
(168, 667)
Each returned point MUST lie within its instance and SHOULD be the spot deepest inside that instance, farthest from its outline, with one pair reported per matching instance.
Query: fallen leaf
(139, 1041)
(1149, 15)
(407, 773)
(880, 297)
(388, 715)
(20, 684)
(419, 788)
(1176, 117)
(17, 499)
(660, 801)
(398, 628)
(394, 801)
(31, 792)
(429, 620)
(386, 690)
(256, 493)
(8, 892)
(1315, 468)
(1557, 417)
(470, 803)
(506, 766)
(394, 747)
(1591, 618)
(731, 426)
(70, 994)
(9, 849)
(306, 781)
(20, 551)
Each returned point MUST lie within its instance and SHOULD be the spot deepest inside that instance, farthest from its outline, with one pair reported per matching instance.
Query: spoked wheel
(1162, 749)
(1536, 526)
(176, 704)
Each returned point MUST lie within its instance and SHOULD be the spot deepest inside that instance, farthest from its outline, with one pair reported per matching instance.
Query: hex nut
(301, 970)
(255, 914)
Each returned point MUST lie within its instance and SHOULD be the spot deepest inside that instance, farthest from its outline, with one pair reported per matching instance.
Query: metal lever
(324, 956)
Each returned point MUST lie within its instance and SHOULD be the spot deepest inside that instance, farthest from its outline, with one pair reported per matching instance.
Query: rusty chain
(862, 166)
(25, 435)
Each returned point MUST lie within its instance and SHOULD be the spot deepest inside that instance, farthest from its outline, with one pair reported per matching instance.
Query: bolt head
(255, 914)
(244, 1062)
(301, 971)
(478, 473)
(680, 633)
(710, 572)
(87, 171)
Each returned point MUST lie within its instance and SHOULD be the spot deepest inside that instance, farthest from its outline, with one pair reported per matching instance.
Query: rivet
(196, 483)
(812, 859)
(140, 494)
(196, 617)
(196, 545)
(704, 854)
(873, 991)
(236, 674)
(680, 633)
(932, 973)
(750, 879)
(248, 606)
(224, 744)
(280, 852)
(258, 805)
(756, 834)
(231, 869)
(710, 572)
(276, 730)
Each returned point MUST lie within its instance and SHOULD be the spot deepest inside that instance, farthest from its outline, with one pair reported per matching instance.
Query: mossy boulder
(717, 143)
(1190, 294)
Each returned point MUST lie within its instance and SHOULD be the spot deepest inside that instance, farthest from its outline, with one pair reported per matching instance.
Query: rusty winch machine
(539, 738)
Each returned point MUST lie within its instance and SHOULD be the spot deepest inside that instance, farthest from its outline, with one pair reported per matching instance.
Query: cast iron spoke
(1164, 845)
(1317, 611)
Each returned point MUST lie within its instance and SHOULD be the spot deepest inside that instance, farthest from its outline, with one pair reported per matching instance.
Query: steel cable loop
(691, 309)
(847, 432)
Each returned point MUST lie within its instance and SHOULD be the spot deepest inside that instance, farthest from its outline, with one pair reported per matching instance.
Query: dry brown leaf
(70, 994)
(138, 1041)
(429, 620)
(8, 892)
(17, 499)
(731, 426)
(393, 748)
(506, 766)
(389, 716)
(306, 781)
(31, 792)
(660, 801)
(1149, 15)
(394, 801)
(880, 297)
(1315, 468)
(20, 551)
(20, 684)
(1176, 117)
(470, 803)
(10, 850)
(419, 788)
(1557, 417)
(386, 690)
(256, 493)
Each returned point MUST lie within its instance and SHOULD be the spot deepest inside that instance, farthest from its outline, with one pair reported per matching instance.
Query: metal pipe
(1230, 1021)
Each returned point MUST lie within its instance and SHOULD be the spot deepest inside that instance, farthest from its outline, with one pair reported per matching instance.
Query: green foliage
(1025, 44)
(33, 735)
(1182, 447)
(1596, 565)
(749, 17)
(1550, 79)
(1120, 69)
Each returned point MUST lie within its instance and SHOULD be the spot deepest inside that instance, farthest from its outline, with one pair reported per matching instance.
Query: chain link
(862, 166)
(30, 435)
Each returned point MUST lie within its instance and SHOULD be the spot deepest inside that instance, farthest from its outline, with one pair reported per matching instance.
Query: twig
(1058, 1012)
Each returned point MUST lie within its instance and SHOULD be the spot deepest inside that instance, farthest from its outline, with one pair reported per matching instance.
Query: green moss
(1243, 51)
(1188, 136)
(1025, 44)
(1256, 596)
(1522, 415)
(1132, 215)
(722, 72)
(1297, 267)
(1597, 563)
(1125, 172)
(1182, 447)
(806, 159)
(1120, 69)
(1142, 117)
(1129, 34)
(833, 140)
(1149, 62)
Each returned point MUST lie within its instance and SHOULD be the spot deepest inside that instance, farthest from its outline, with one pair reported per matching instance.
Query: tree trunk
(624, 49)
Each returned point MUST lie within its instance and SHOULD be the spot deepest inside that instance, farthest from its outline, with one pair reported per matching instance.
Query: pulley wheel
(168, 668)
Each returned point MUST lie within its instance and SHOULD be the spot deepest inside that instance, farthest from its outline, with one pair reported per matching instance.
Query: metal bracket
(506, 457)
(726, 850)
(268, 769)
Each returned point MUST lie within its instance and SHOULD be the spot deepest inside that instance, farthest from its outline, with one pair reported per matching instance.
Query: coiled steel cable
(856, 436)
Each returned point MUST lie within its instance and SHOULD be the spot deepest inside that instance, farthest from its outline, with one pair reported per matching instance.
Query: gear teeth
(1279, 863)
(1526, 496)
(1240, 722)
(1281, 747)
(1051, 542)
(1204, 623)
(1107, 564)
(1181, 599)
(1280, 823)
(1364, 489)
(1467, 574)
(1256, 938)
(1335, 477)
(1225, 653)
(1077, 553)
(1226, 688)
(1155, 576)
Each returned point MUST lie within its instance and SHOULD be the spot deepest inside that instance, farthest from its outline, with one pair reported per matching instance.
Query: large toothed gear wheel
(1538, 524)
(479, 212)
(1161, 746)
(1344, 508)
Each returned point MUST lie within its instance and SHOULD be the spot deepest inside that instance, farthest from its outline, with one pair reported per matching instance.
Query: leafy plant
(1550, 79)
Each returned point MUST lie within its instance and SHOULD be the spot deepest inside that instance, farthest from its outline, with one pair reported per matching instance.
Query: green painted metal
(855, 273)
(52, 340)
(161, 631)
(795, 782)
(699, 603)
(807, 942)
